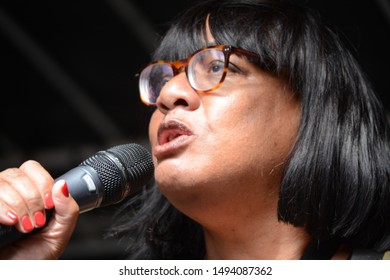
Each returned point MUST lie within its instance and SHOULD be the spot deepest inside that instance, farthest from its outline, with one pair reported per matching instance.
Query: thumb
(66, 208)
(61, 226)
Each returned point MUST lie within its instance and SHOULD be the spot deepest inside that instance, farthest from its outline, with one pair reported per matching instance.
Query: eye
(216, 67)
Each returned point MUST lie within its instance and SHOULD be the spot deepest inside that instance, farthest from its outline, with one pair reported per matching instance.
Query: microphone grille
(137, 161)
(122, 169)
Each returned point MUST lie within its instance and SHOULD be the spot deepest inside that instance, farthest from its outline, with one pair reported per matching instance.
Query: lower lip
(172, 147)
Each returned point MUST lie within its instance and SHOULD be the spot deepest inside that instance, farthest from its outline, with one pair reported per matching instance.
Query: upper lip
(171, 129)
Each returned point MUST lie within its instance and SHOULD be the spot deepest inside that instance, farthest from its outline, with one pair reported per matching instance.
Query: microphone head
(122, 169)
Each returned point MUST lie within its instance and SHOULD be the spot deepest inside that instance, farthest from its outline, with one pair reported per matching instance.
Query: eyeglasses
(205, 69)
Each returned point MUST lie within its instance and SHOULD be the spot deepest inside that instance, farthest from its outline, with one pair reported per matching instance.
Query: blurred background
(68, 86)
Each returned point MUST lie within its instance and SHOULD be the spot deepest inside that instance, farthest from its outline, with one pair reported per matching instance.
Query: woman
(268, 143)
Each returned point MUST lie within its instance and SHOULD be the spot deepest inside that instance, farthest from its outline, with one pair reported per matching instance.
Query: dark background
(67, 84)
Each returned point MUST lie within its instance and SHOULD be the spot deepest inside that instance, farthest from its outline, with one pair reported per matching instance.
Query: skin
(225, 167)
(24, 192)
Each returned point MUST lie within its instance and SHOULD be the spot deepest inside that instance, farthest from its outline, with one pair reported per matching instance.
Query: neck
(269, 240)
(251, 230)
(243, 224)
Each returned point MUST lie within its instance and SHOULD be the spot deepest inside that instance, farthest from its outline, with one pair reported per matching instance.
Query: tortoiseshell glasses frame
(205, 69)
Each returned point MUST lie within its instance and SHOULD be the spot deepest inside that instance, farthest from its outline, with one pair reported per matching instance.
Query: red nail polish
(39, 219)
(48, 200)
(65, 190)
(26, 223)
(12, 216)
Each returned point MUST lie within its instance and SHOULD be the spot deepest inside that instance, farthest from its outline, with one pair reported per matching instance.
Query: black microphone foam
(106, 178)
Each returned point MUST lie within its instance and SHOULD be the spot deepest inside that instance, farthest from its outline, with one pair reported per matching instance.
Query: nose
(178, 93)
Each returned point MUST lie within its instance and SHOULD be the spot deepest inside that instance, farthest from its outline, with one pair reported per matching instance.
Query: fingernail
(49, 200)
(26, 223)
(12, 216)
(65, 190)
(39, 218)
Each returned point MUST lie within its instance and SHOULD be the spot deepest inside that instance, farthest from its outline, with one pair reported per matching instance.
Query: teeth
(171, 137)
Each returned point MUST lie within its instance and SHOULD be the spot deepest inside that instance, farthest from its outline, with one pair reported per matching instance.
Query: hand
(25, 195)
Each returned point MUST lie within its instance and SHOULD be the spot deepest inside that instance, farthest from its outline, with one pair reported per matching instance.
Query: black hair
(336, 181)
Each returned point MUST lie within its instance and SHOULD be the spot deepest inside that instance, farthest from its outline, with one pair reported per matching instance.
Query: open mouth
(172, 131)
(172, 137)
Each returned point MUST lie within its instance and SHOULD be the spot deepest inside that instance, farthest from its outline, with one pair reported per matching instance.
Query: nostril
(164, 108)
(181, 102)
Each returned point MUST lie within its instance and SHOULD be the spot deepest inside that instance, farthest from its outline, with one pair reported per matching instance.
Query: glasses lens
(152, 79)
(206, 69)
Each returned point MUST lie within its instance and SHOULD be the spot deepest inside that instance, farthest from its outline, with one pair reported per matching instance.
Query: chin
(177, 175)
(169, 172)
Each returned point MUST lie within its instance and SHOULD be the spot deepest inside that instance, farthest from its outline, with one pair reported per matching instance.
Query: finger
(13, 210)
(63, 222)
(8, 216)
(41, 179)
(65, 206)
(24, 197)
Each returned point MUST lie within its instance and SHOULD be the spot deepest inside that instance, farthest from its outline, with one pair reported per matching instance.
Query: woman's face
(234, 140)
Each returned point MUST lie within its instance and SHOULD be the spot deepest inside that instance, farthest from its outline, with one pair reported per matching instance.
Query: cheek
(266, 132)
(281, 131)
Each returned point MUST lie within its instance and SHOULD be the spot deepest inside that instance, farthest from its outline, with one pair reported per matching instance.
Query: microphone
(106, 178)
